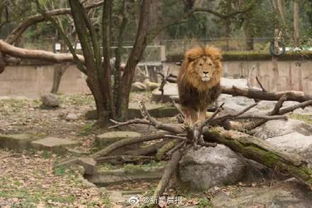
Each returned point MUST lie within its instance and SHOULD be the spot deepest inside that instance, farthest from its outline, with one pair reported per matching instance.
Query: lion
(199, 82)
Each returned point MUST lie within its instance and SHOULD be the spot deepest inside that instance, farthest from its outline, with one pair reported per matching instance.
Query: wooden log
(264, 95)
(11, 50)
(261, 151)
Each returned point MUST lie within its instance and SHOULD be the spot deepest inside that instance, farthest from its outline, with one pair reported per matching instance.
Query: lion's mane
(193, 92)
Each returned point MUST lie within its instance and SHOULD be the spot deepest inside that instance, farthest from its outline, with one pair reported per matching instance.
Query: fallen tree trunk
(11, 50)
(261, 151)
(264, 95)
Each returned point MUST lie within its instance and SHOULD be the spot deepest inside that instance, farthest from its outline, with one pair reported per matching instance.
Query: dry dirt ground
(28, 179)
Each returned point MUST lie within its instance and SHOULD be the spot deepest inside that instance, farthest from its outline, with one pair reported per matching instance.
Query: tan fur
(199, 63)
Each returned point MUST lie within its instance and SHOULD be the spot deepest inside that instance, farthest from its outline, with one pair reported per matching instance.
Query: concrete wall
(33, 81)
(289, 75)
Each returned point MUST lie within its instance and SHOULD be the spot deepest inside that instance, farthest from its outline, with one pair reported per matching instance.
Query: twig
(220, 120)
(205, 123)
(107, 150)
(266, 118)
(175, 137)
(126, 123)
(157, 124)
(260, 84)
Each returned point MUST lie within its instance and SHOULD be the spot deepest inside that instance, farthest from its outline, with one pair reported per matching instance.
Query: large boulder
(210, 166)
(50, 101)
(293, 136)
(295, 143)
(277, 128)
(234, 104)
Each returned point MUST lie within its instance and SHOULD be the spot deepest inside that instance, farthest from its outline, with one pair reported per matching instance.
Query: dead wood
(264, 95)
(161, 152)
(121, 159)
(146, 150)
(262, 152)
(206, 134)
(170, 169)
(107, 150)
(11, 50)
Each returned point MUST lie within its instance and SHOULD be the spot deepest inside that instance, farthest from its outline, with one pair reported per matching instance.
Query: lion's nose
(205, 72)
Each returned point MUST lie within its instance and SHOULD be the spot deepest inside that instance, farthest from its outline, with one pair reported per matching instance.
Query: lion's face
(201, 68)
(204, 67)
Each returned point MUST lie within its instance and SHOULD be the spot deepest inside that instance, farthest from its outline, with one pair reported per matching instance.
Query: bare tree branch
(23, 26)
(8, 49)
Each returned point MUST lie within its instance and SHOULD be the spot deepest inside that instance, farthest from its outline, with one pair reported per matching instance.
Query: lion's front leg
(202, 116)
(191, 116)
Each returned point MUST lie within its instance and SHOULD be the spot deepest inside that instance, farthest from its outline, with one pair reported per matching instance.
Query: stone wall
(289, 75)
(35, 80)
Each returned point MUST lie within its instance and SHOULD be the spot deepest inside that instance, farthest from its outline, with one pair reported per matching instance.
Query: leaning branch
(11, 50)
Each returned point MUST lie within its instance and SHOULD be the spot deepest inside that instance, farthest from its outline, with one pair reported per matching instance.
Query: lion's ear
(190, 58)
(192, 54)
(214, 53)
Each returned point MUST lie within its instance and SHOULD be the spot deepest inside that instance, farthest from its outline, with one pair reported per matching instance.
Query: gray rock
(228, 82)
(50, 101)
(89, 165)
(286, 195)
(53, 144)
(71, 117)
(234, 104)
(293, 136)
(206, 167)
(294, 143)
(114, 136)
(138, 86)
(277, 128)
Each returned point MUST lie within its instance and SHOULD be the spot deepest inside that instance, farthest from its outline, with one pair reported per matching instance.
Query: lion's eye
(200, 64)
(210, 64)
